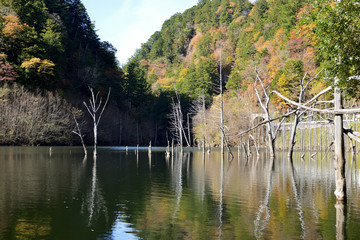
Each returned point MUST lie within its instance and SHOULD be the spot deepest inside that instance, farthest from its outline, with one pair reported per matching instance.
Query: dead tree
(221, 110)
(95, 103)
(176, 123)
(78, 129)
(198, 110)
(270, 128)
(299, 113)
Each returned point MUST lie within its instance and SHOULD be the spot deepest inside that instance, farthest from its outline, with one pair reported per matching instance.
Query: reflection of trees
(340, 221)
(298, 201)
(221, 195)
(222, 201)
(36, 228)
(94, 204)
(263, 215)
(216, 201)
(177, 180)
(31, 183)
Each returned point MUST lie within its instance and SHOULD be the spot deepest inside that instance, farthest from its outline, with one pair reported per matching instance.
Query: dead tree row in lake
(312, 107)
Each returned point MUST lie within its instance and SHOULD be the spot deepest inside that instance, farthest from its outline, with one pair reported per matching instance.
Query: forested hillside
(280, 39)
(50, 54)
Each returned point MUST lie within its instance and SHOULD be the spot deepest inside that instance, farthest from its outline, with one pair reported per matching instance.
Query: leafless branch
(333, 112)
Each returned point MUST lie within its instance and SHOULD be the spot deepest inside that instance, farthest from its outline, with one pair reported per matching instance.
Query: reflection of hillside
(30, 179)
(299, 203)
(188, 197)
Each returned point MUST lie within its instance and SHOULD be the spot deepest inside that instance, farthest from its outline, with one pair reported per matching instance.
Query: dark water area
(58, 194)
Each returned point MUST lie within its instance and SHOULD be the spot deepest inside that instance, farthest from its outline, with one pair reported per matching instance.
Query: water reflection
(340, 221)
(29, 181)
(263, 214)
(298, 200)
(94, 204)
(221, 195)
(177, 181)
(192, 195)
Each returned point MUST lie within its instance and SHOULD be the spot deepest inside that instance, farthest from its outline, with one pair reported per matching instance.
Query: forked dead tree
(270, 127)
(95, 104)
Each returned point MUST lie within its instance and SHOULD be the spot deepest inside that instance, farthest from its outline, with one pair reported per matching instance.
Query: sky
(128, 23)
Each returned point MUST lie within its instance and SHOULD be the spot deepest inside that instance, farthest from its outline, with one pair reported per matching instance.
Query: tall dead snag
(198, 111)
(340, 191)
(78, 112)
(176, 122)
(95, 103)
(221, 110)
(270, 128)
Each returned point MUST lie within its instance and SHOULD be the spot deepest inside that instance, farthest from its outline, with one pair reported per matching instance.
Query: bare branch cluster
(33, 118)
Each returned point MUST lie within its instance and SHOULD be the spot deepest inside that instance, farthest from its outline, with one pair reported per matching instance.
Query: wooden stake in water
(150, 148)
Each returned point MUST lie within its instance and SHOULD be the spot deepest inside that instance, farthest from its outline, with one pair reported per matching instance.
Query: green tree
(134, 84)
(337, 27)
(199, 78)
(226, 13)
(236, 79)
(32, 12)
(287, 80)
(204, 47)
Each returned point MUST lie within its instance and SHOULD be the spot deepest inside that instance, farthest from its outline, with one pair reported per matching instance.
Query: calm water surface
(121, 195)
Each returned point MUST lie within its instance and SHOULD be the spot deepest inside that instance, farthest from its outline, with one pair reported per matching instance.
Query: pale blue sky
(128, 23)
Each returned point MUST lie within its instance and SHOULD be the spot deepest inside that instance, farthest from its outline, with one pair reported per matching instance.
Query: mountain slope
(268, 35)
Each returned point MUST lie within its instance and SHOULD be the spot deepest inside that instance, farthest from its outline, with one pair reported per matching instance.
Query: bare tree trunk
(221, 112)
(256, 146)
(150, 148)
(340, 191)
(292, 137)
(265, 106)
(78, 132)
(176, 122)
(204, 121)
(95, 137)
(188, 128)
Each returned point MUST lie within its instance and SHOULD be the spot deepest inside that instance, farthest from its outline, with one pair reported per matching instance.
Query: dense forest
(50, 55)
(233, 40)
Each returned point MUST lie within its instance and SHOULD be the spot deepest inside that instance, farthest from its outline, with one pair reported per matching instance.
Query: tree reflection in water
(263, 214)
(177, 180)
(94, 204)
(298, 200)
(340, 220)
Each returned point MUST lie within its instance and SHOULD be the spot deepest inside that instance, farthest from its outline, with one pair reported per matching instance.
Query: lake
(123, 195)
